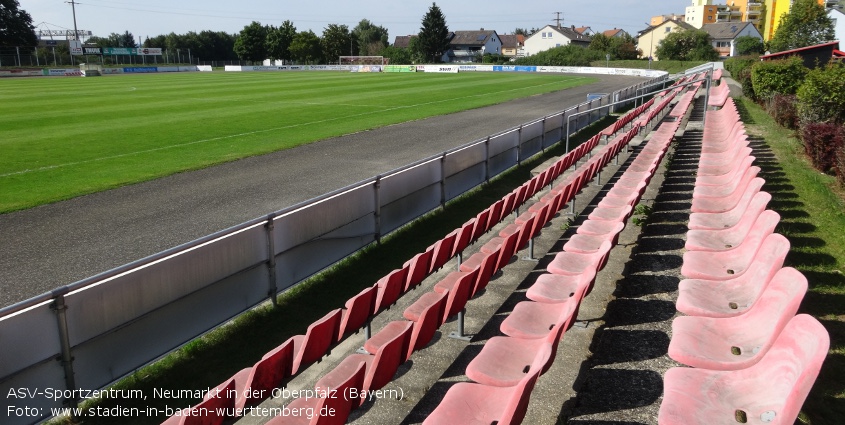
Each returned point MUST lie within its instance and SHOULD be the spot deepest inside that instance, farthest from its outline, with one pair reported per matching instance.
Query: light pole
(75, 30)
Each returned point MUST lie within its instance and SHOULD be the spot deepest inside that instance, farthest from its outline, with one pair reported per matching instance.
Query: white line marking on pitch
(250, 133)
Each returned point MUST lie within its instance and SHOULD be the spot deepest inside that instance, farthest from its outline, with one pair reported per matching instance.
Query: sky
(155, 17)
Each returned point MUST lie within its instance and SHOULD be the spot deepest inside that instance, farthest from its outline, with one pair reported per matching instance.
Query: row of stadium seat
(753, 359)
(395, 343)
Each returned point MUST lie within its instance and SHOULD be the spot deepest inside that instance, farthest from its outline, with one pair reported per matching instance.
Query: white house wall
(538, 43)
(838, 25)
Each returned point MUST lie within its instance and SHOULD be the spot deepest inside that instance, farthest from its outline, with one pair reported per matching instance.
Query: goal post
(363, 60)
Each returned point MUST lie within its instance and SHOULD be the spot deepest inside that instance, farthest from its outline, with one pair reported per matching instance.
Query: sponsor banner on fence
(476, 68)
(204, 68)
(112, 71)
(75, 47)
(450, 69)
(92, 51)
(149, 51)
(63, 72)
(21, 73)
(400, 68)
(118, 51)
(365, 68)
(140, 69)
(514, 68)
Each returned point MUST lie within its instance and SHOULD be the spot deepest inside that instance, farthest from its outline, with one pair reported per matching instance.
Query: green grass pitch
(65, 137)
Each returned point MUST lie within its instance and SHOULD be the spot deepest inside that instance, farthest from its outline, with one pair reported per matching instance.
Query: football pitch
(65, 137)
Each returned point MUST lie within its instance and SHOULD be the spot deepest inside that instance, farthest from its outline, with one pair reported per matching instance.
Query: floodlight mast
(73, 7)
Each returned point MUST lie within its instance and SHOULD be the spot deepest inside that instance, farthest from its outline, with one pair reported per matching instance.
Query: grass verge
(812, 214)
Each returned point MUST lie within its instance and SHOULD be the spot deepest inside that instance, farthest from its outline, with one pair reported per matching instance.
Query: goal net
(363, 60)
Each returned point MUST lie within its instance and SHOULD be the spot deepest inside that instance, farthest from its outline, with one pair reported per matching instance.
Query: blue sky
(154, 17)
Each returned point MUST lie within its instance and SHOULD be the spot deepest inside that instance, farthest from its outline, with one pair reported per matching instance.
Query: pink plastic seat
(533, 320)
(319, 337)
(380, 367)
(554, 288)
(726, 189)
(330, 407)
(463, 237)
(390, 289)
(260, 379)
(733, 343)
(358, 311)
(469, 403)
(504, 253)
(725, 203)
(723, 265)
(503, 361)
(734, 173)
(720, 169)
(574, 263)
(753, 203)
(772, 391)
(596, 227)
(524, 232)
(426, 320)
(732, 297)
(210, 410)
(727, 239)
(588, 244)
(611, 214)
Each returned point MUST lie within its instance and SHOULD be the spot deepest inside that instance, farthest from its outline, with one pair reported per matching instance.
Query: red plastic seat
(442, 252)
(611, 214)
(732, 297)
(753, 203)
(463, 238)
(588, 244)
(426, 318)
(331, 406)
(417, 269)
(256, 383)
(470, 403)
(573, 263)
(723, 265)
(359, 310)
(733, 343)
(727, 239)
(319, 337)
(390, 289)
(504, 251)
(596, 227)
(380, 367)
(523, 231)
(210, 411)
(772, 391)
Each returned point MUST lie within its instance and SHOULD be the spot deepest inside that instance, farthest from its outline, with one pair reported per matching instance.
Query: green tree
(335, 41)
(600, 43)
(279, 39)
(305, 47)
(370, 39)
(251, 43)
(16, 25)
(806, 24)
(434, 35)
(821, 98)
(397, 55)
(748, 45)
(687, 45)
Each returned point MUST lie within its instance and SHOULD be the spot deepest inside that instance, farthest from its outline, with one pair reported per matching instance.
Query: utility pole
(75, 31)
(558, 19)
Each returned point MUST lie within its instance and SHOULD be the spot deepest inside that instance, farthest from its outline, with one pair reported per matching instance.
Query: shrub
(737, 64)
(821, 98)
(782, 76)
(822, 141)
(569, 55)
(782, 108)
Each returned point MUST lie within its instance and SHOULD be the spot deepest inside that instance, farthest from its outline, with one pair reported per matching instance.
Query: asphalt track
(54, 245)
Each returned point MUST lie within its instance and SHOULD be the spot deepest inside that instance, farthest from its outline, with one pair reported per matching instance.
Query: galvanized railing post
(271, 259)
(487, 159)
(519, 146)
(60, 308)
(443, 181)
(377, 209)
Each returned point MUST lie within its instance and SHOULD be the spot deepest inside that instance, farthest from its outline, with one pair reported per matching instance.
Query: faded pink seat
(555, 288)
(596, 227)
(611, 214)
(319, 337)
(427, 318)
(470, 403)
(260, 379)
(484, 272)
(390, 289)
(358, 311)
(726, 189)
(772, 391)
(331, 406)
(380, 367)
(732, 297)
(574, 263)
(504, 252)
(524, 233)
(753, 203)
(533, 320)
(726, 203)
(717, 169)
(210, 410)
(726, 239)
(734, 173)
(732, 343)
(723, 265)
(588, 244)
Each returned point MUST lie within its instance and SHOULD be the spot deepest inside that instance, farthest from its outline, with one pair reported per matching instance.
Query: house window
(667, 30)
